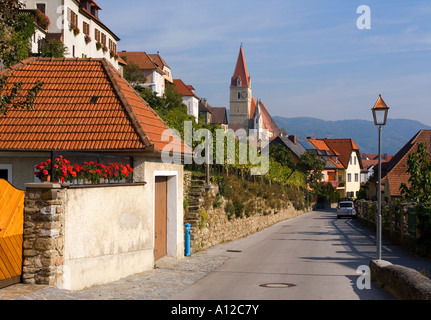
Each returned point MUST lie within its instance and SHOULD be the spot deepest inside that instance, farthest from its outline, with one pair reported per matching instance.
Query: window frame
(8, 167)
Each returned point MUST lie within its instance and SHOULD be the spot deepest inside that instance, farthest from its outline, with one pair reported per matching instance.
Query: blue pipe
(187, 240)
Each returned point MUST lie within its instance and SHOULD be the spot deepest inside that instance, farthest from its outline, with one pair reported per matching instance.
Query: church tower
(241, 94)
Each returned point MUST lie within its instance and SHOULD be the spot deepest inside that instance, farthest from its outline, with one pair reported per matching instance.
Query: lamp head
(380, 112)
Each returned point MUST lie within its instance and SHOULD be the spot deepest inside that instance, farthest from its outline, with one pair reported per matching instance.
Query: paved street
(313, 257)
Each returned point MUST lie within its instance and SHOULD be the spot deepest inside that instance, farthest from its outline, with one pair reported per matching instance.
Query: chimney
(204, 102)
(293, 139)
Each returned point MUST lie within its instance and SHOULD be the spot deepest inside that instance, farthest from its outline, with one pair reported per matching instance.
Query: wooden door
(161, 214)
(11, 233)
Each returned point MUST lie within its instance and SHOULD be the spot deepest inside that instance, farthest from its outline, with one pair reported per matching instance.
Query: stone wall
(211, 226)
(218, 229)
(43, 234)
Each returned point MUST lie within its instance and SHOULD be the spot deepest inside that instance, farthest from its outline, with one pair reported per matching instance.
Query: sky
(306, 58)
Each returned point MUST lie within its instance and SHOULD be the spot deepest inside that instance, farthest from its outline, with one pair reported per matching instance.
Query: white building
(77, 25)
(190, 99)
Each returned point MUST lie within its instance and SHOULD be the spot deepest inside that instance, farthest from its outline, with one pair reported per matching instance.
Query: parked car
(346, 209)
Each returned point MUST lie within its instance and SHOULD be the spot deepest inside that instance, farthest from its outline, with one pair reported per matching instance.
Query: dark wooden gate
(160, 219)
(11, 233)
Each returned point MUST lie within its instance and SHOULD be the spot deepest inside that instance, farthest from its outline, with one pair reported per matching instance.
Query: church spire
(241, 77)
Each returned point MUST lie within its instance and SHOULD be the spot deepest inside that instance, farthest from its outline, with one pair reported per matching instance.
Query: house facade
(77, 25)
(87, 111)
(350, 158)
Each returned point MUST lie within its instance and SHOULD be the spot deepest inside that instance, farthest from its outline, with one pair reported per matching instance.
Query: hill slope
(395, 134)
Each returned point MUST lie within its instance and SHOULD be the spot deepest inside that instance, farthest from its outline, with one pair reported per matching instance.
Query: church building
(246, 112)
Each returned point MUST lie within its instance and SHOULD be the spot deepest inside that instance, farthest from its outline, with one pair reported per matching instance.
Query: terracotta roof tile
(394, 171)
(184, 89)
(64, 118)
(142, 60)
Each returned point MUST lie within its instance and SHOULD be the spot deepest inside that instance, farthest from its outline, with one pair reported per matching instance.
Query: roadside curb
(405, 283)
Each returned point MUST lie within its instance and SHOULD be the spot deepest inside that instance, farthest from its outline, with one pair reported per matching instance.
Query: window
(97, 35)
(86, 28)
(112, 46)
(239, 95)
(349, 177)
(356, 177)
(6, 172)
(41, 7)
(103, 39)
(72, 17)
(354, 160)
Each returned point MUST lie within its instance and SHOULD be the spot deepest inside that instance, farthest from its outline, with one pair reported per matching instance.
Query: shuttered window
(86, 28)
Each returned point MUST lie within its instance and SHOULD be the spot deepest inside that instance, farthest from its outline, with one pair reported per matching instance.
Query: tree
(419, 168)
(311, 166)
(16, 44)
(53, 49)
(281, 155)
(15, 32)
(133, 73)
(169, 107)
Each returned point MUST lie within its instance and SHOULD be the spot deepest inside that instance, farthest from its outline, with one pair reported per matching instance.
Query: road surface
(314, 256)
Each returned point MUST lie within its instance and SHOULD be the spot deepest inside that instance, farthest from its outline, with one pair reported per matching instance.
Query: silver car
(346, 209)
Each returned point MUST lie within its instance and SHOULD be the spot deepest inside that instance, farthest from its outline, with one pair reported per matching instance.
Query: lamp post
(380, 114)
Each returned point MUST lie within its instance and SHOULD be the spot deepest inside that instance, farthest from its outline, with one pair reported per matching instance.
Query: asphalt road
(312, 257)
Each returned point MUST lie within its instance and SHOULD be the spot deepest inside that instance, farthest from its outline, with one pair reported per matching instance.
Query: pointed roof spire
(241, 78)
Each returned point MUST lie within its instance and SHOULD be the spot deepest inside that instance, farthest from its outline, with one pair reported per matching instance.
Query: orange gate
(11, 233)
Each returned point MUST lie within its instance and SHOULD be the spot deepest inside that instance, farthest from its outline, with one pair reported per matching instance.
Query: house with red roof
(332, 166)
(349, 157)
(87, 111)
(190, 99)
(394, 171)
(246, 112)
(154, 68)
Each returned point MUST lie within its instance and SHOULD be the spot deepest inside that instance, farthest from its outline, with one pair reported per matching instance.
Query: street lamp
(380, 114)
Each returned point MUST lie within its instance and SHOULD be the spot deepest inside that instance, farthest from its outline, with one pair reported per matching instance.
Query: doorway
(161, 216)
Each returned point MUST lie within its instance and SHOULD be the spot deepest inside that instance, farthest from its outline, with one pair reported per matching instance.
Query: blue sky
(306, 58)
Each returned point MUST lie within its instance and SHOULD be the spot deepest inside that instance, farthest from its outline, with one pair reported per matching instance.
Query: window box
(87, 39)
(74, 28)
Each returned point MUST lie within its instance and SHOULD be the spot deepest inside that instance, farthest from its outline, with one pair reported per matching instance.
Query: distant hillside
(395, 134)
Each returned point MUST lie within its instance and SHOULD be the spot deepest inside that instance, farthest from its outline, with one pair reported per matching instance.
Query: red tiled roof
(184, 89)
(394, 171)
(268, 121)
(320, 144)
(241, 71)
(64, 118)
(344, 148)
(141, 59)
(158, 60)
